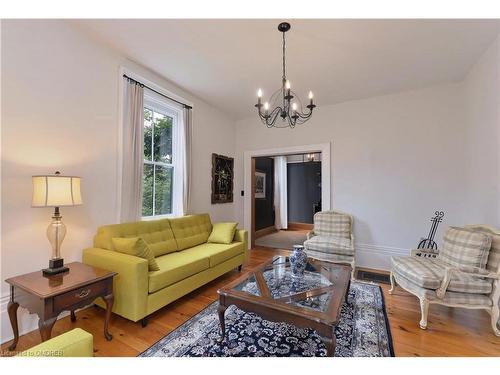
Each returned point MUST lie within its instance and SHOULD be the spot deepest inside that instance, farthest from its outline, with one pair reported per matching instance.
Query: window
(160, 189)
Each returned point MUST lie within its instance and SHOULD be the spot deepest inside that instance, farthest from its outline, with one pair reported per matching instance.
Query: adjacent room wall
(60, 112)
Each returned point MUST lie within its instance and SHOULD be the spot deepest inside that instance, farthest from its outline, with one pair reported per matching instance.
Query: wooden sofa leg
(144, 322)
(239, 267)
(424, 309)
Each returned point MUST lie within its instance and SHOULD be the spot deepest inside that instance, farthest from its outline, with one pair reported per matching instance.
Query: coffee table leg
(109, 299)
(222, 310)
(347, 291)
(12, 309)
(330, 345)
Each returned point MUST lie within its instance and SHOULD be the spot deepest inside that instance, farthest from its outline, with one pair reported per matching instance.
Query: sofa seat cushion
(177, 266)
(219, 253)
(429, 273)
(329, 244)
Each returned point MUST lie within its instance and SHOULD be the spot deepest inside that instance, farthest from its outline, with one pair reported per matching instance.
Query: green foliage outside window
(158, 173)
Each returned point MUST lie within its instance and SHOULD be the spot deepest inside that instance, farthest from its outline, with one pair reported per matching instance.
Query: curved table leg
(109, 299)
(12, 309)
(330, 345)
(45, 327)
(221, 310)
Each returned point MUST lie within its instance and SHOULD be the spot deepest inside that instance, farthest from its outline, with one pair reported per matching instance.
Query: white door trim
(324, 148)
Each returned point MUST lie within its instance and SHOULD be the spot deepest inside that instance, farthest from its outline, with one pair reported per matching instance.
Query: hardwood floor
(451, 332)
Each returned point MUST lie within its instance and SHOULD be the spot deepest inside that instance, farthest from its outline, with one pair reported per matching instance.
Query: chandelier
(284, 103)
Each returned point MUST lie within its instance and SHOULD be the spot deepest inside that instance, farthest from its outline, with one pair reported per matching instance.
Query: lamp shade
(56, 191)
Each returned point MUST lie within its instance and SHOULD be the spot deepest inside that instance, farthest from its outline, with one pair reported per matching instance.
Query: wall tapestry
(222, 179)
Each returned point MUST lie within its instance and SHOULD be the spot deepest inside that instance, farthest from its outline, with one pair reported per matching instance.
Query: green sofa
(185, 259)
(75, 343)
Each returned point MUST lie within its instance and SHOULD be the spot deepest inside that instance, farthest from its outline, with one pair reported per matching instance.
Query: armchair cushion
(329, 223)
(450, 298)
(429, 273)
(329, 244)
(494, 256)
(465, 248)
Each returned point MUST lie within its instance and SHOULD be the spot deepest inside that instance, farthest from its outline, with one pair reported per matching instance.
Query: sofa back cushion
(191, 230)
(331, 223)
(156, 233)
(465, 248)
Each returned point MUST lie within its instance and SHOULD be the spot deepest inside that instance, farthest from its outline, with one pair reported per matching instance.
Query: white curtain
(132, 160)
(280, 193)
(185, 154)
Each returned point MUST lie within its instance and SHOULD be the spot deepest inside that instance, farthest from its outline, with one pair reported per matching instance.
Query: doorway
(262, 214)
(287, 195)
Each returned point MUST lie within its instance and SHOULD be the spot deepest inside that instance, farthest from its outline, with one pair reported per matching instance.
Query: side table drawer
(76, 296)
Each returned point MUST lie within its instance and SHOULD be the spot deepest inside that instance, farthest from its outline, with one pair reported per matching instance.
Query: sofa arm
(241, 235)
(75, 343)
(130, 286)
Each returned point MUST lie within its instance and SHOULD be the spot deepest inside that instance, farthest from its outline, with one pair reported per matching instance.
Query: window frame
(158, 104)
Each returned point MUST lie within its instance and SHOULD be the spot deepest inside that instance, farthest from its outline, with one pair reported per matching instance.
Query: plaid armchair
(466, 273)
(331, 239)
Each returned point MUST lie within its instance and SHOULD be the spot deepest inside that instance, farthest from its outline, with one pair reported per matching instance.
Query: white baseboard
(376, 256)
(26, 322)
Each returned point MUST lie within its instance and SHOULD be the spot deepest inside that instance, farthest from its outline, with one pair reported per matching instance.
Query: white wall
(60, 112)
(393, 162)
(482, 110)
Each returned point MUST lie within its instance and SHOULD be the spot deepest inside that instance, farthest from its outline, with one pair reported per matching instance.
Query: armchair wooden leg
(424, 309)
(495, 313)
(393, 283)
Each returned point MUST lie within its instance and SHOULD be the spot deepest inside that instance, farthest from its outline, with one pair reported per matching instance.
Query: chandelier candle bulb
(259, 96)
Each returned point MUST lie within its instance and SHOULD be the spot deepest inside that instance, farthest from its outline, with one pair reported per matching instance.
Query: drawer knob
(84, 293)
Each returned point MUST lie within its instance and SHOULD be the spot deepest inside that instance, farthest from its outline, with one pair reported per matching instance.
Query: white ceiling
(224, 62)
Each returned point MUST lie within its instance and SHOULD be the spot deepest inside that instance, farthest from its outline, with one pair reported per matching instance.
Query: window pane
(162, 138)
(163, 190)
(147, 190)
(148, 133)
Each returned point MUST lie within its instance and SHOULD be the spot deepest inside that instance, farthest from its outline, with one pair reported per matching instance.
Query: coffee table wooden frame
(279, 310)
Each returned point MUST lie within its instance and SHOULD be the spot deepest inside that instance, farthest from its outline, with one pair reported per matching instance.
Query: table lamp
(56, 191)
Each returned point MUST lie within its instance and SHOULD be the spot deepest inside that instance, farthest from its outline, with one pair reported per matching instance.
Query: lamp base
(56, 266)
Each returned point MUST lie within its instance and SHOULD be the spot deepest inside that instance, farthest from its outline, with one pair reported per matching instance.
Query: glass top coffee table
(311, 301)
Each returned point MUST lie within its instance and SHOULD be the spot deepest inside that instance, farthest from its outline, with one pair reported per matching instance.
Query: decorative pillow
(136, 246)
(222, 233)
(465, 248)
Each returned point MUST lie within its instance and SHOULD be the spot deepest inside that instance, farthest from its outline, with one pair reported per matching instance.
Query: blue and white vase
(298, 261)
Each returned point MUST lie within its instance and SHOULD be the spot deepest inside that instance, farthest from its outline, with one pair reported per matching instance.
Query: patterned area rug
(363, 331)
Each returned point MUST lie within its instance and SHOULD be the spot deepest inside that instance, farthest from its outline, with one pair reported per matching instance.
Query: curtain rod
(159, 93)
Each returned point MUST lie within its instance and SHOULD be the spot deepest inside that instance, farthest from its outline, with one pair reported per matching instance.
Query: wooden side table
(49, 296)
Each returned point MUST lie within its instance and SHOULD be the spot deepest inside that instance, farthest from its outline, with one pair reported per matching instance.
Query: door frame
(249, 178)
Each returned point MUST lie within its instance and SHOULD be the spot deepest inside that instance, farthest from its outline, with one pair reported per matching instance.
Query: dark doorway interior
(304, 191)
